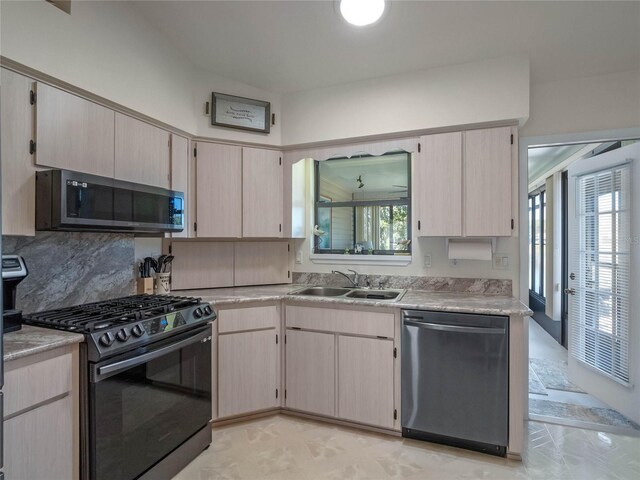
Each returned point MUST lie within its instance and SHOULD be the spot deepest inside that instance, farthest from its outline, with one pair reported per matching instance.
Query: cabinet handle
(418, 224)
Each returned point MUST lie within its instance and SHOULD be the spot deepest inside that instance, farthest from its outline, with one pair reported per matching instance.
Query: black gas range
(146, 381)
(121, 324)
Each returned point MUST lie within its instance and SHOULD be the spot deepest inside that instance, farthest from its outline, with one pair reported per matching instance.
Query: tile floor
(285, 447)
(590, 412)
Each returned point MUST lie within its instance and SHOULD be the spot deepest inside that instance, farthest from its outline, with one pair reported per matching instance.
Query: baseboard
(308, 416)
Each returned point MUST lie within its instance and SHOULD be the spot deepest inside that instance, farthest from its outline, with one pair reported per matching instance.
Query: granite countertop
(413, 299)
(30, 340)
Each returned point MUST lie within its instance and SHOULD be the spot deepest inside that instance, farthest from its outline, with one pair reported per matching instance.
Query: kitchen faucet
(354, 282)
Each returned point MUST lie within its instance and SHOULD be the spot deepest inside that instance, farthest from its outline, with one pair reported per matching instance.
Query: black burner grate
(90, 317)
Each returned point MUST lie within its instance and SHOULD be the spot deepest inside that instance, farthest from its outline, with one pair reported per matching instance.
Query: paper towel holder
(493, 241)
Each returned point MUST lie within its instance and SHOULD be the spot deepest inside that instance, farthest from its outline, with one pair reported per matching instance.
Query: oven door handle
(107, 371)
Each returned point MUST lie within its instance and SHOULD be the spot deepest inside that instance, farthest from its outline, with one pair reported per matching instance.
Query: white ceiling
(543, 159)
(285, 46)
(384, 174)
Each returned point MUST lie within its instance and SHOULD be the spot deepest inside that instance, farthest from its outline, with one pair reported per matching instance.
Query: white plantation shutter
(599, 313)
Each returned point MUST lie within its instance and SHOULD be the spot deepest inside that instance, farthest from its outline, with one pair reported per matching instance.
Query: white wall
(487, 91)
(108, 48)
(440, 265)
(603, 102)
(207, 82)
(105, 48)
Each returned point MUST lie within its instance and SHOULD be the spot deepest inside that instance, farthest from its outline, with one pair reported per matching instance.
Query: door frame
(524, 143)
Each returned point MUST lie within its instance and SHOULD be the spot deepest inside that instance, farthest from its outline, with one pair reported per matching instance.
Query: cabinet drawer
(36, 379)
(375, 324)
(250, 318)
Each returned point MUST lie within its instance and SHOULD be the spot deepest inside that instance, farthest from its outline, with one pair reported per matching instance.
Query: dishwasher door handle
(455, 328)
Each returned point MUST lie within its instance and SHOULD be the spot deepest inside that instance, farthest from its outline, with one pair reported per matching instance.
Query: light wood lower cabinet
(310, 372)
(248, 360)
(41, 402)
(38, 444)
(247, 378)
(347, 371)
(365, 380)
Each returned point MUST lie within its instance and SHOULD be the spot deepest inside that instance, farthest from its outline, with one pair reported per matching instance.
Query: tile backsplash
(71, 268)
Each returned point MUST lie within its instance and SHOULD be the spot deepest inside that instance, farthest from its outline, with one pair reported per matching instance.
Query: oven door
(144, 405)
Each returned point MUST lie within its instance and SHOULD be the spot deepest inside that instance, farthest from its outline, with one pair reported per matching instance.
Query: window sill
(341, 259)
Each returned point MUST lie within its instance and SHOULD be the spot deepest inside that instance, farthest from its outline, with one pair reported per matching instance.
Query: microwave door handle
(107, 371)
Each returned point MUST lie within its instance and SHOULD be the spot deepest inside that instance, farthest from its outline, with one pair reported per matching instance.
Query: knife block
(145, 285)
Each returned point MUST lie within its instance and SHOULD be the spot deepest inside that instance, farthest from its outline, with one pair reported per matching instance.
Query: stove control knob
(107, 339)
(197, 312)
(207, 310)
(138, 331)
(123, 335)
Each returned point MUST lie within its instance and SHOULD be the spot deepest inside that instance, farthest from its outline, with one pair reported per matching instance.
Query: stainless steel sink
(359, 293)
(322, 291)
(376, 294)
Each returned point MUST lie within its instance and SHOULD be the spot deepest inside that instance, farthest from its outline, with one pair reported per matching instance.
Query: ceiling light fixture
(362, 12)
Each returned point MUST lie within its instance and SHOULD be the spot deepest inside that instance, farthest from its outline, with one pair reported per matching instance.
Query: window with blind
(600, 307)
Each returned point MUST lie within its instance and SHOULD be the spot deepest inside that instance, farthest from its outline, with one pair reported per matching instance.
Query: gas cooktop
(121, 324)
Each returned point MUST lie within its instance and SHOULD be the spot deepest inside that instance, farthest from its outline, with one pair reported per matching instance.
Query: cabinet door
(365, 380)
(247, 372)
(18, 173)
(73, 133)
(201, 265)
(262, 193)
(39, 443)
(261, 263)
(141, 152)
(310, 372)
(487, 182)
(180, 177)
(219, 190)
(437, 186)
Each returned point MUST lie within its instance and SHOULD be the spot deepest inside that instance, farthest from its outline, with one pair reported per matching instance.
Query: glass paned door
(600, 251)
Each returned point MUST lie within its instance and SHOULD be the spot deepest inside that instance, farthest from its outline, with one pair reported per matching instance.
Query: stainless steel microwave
(72, 201)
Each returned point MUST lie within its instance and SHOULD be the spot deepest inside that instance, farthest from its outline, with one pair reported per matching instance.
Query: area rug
(535, 385)
(570, 411)
(553, 374)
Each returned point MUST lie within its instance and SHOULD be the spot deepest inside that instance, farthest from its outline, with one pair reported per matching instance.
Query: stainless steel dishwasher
(455, 379)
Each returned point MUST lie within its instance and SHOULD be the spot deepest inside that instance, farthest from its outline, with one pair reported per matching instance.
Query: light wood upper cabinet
(73, 133)
(262, 193)
(487, 182)
(239, 192)
(310, 372)
(248, 363)
(261, 263)
(219, 190)
(18, 173)
(365, 380)
(463, 184)
(180, 177)
(141, 152)
(201, 265)
(437, 186)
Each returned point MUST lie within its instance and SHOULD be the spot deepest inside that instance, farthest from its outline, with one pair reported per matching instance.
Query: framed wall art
(241, 113)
